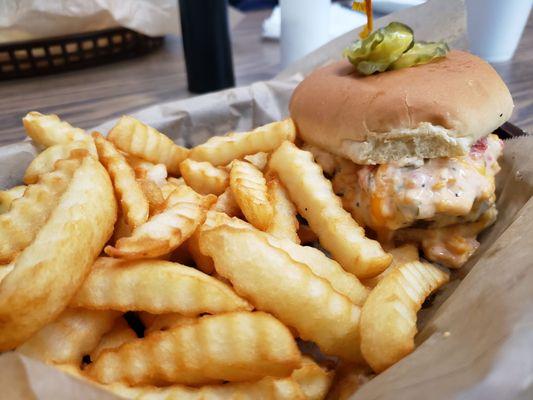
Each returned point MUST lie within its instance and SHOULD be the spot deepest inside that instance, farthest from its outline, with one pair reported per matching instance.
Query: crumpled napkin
(33, 19)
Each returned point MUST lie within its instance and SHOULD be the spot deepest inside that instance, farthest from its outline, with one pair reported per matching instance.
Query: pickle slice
(380, 49)
(421, 53)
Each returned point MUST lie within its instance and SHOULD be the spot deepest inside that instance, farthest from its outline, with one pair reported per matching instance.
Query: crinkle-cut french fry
(259, 160)
(327, 161)
(27, 214)
(122, 229)
(68, 338)
(400, 255)
(140, 140)
(322, 266)
(156, 173)
(215, 218)
(5, 269)
(337, 231)
(184, 211)
(268, 388)
(226, 203)
(157, 287)
(348, 379)
(314, 380)
(49, 271)
(176, 181)
(204, 177)
(119, 334)
(221, 278)
(153, 194)
(9, 195)
(306, 235)
(305, 383)
(171, 185)
(239, 346)
(284, 222)
(388, 318)
(205, 263)
(133, 202)
(248, 186)
(49, 130)
(273, 281)
(309, 382)
(202, 262)
(45, 161)
(450, 246)
(163, 322)
(220, 150)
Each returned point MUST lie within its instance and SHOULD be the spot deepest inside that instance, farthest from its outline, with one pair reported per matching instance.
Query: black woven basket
(65, 53)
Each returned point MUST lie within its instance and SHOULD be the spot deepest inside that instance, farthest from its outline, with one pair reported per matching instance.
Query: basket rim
(75, 36)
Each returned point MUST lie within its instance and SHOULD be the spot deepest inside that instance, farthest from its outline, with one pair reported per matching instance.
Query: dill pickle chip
(421, 53)
(380, 49)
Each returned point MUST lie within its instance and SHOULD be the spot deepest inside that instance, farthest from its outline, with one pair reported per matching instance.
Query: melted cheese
(440, 192)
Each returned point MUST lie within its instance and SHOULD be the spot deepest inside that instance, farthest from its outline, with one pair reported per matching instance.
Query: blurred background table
(88, 97)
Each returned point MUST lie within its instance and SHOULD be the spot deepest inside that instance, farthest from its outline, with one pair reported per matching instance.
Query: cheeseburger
(411, 151)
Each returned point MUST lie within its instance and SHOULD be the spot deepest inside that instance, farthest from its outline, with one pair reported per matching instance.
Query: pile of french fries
(159, 272)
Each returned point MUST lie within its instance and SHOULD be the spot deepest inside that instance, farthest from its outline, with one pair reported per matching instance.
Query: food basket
(66, 53)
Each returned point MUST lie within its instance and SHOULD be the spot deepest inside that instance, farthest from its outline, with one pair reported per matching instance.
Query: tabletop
(88, 97)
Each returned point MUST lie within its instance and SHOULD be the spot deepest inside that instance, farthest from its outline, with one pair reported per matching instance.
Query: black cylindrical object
(206, 44)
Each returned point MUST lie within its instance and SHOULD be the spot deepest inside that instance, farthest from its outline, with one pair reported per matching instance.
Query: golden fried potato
(309, 382)
(119, 334)
(49, 130)
(273, 281)
(133, 203)
(226, 203)
(68, 338)
(452, 245)
(27, 214)
(137, 139)
(258, 160)
(157, 287)
(220, 150)
(204, 177)
(122, 229)
(45, 161)
(327, 161)
(9, 195)
(49, 271)
(237, 346)
(154, 195)
(202, 262)
(400, 255)
(248, 186)
(284, 223)
(267, 388)
(171, 185)
(388, 318)
(337, 231)
(157, 173)
(314, 380)
(5, 269)
(324, 267)
(348, 379)
(163, 322)
(184, 211)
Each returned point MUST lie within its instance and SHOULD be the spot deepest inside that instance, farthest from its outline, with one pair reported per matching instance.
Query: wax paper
(475, 341)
